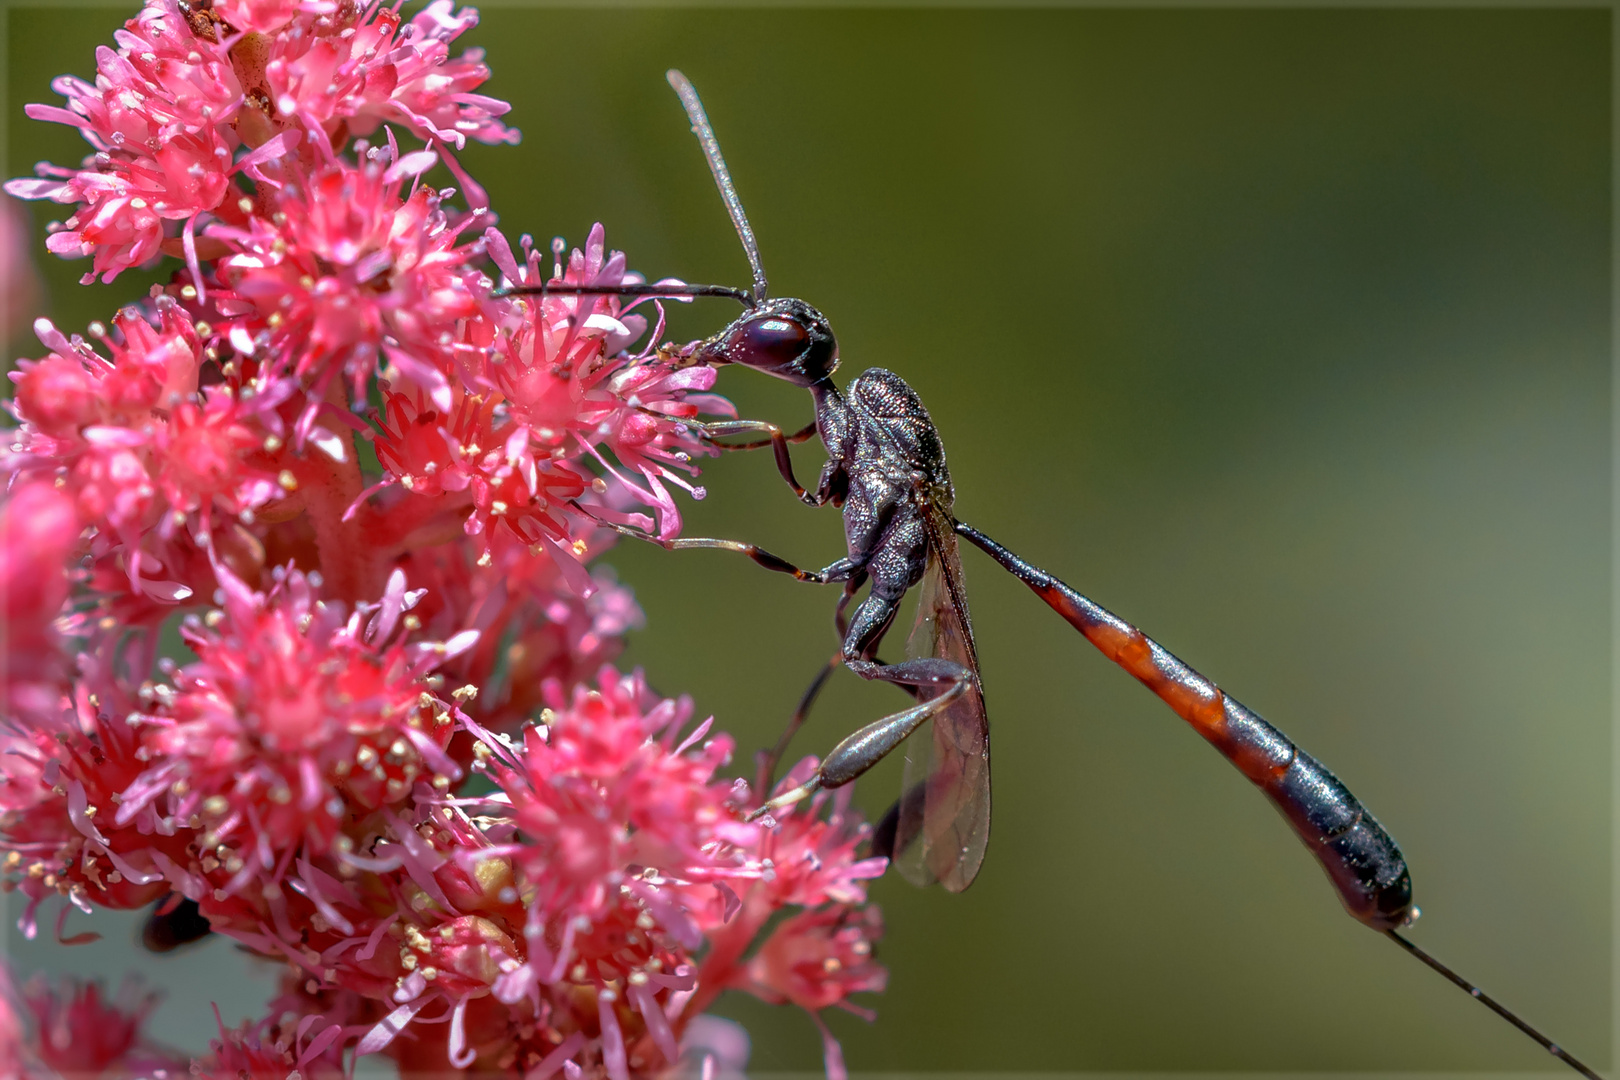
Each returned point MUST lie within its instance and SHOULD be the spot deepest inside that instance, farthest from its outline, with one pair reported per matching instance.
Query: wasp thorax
(786, 338)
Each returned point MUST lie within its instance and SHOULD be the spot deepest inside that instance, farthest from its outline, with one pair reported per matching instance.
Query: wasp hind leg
(872, 743)
(935, 682)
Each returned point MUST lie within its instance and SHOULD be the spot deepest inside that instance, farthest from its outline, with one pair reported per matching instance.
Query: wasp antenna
(561, 288)
(722, 177)
(1492, 1004)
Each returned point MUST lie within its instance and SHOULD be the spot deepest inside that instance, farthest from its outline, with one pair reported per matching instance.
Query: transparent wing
(944, 811)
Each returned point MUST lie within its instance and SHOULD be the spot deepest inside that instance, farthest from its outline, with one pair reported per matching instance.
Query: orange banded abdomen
(1359, 857)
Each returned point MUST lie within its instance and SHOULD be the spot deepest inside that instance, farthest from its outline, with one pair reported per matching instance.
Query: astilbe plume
(368, 487)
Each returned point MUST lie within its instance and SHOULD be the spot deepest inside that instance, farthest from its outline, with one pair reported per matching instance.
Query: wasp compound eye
(777, 340)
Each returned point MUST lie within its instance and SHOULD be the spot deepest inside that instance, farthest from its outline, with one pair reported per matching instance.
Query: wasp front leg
(774, 438)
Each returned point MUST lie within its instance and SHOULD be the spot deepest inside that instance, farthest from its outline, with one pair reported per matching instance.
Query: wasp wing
(943, 817)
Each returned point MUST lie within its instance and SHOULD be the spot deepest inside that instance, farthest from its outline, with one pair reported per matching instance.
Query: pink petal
(460, 1055)
(413, 164)
(389, 1026)
(657, 1023)
(612, 1040)
(832, 1054)
(376, 938)
(554, 1060)
(24, 188)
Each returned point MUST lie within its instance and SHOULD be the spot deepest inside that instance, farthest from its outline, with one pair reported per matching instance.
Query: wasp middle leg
(936, 683)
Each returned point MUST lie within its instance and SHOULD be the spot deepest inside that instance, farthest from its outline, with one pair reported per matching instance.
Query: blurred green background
(1283, 333)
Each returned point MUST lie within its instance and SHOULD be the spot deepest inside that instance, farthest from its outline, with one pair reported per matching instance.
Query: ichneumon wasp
(886, 471)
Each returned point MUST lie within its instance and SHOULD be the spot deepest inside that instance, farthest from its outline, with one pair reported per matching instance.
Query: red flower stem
(727, 945)
(329, 487)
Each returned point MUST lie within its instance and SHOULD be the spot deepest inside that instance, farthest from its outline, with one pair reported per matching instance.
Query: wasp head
(786, 338)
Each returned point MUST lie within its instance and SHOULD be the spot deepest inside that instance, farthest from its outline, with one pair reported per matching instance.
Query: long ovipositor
(1360, 858)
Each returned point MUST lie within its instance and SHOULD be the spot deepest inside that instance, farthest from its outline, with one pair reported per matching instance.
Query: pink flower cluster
(192, 84)
(75, 1030)
(367, 487)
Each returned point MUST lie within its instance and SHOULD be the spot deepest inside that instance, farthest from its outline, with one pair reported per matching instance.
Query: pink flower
(613, 817)
(602, 787)
(38, 530)
(62, 776)
(284, 1045)
(555, 366)
(367, 69)
(533, 626)
(814, 860)
(258, 16)
(369, 626)
(609, 825)
(78, 1033)
(339, 271)
(137, 445)
(546, 384)
(152, 368)
(187, 89)
(466, 450)
(296, 717)
(158, 119)
(818, 958)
